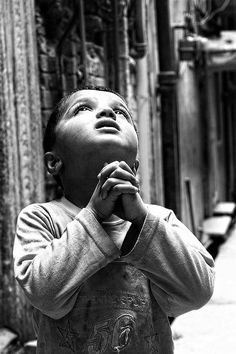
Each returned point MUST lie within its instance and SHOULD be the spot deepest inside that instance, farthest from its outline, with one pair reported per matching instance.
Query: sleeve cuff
(135, 244)
(98, 234)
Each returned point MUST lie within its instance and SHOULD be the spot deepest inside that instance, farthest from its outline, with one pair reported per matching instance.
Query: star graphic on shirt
(69, 337)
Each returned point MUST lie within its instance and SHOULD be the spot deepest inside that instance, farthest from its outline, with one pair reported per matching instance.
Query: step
(216, 226)
(224, 208)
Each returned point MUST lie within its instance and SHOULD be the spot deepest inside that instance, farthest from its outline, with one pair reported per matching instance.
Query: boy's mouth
(107, 122)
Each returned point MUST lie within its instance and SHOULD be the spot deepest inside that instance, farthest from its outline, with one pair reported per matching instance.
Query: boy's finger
(107, 170)
(110, 183)
(125, 175)
(119, 189)
(126, 167)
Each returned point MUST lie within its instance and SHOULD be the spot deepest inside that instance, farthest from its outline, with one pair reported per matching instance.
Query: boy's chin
(116, 152)
(115, 145)
(128, 158)
(107, 153)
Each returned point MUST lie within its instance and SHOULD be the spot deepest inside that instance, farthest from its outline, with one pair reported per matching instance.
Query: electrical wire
(201, 4)
(209, 14)
(221, 8)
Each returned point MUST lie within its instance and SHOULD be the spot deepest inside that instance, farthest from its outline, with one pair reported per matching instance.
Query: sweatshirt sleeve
(180, 270)
(51, 270)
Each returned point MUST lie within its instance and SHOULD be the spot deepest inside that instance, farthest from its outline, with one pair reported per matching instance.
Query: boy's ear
(135, 166)
(53, 163)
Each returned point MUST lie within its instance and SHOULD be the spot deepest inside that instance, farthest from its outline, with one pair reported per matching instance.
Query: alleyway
(212, 329)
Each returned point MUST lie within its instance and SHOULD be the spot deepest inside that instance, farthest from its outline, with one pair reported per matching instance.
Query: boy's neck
(79, 185)
(81, 193)
(81, 196)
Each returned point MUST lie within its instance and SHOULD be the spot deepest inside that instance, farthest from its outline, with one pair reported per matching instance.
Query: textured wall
(21, 170)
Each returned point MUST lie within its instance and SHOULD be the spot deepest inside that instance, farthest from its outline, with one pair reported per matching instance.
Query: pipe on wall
(116, 48)
(83, 39)
(140, 41)
(167, 91)
(143, 111)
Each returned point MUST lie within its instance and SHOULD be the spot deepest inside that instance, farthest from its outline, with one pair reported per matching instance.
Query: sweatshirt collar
(74, 210)
(71, 207)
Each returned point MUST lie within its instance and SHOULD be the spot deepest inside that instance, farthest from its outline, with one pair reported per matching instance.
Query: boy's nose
(106, 112)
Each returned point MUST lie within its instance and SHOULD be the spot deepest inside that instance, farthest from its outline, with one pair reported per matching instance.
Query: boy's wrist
(100, 218)
(139, 220)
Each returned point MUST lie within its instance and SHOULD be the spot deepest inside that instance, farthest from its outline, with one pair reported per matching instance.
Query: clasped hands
(117, 192)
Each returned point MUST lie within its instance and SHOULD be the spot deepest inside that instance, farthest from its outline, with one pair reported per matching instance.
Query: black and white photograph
(117, 176)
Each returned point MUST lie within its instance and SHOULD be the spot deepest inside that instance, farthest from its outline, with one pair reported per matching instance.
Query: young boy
(102, 269)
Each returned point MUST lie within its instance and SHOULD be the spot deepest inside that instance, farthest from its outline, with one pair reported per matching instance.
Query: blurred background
(175, 63)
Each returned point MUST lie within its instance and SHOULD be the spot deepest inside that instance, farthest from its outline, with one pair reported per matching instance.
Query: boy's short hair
(59, 110)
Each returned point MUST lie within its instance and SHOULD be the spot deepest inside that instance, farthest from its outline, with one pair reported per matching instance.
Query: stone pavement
(212, 329)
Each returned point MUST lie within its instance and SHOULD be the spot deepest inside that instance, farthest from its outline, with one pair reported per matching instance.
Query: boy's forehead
(96, 96)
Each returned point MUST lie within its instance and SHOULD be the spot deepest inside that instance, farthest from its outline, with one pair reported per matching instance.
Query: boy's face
(96, 125)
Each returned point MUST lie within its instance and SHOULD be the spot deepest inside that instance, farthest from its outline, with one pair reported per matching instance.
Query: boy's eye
(121, 112)
(81, 109)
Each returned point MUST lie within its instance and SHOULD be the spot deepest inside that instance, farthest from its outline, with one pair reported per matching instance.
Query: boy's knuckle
(107, 185)
(115, 164)
(102, 173)
(110, 182)
(119, 170)
(123, 163)
(115, 173)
